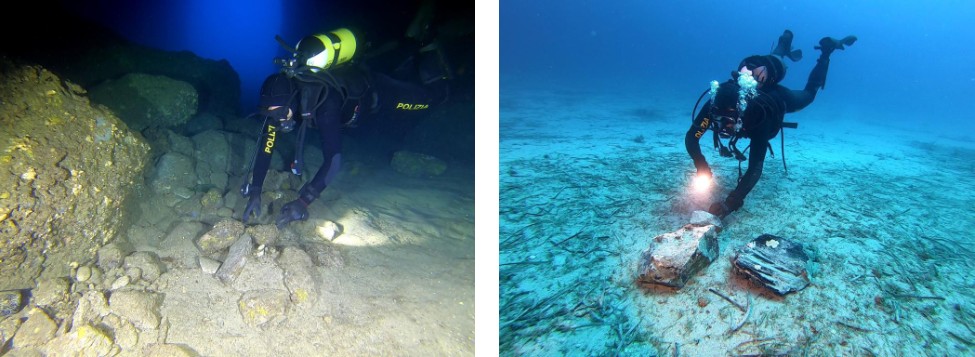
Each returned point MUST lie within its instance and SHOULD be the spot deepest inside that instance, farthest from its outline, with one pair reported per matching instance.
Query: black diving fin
(837, 44)
(784, 47)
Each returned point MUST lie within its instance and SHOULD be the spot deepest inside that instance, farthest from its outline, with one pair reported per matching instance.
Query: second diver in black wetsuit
(753, 105)
(322, 88)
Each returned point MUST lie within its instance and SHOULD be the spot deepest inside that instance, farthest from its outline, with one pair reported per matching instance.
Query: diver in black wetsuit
(753, 105)
(323, 88)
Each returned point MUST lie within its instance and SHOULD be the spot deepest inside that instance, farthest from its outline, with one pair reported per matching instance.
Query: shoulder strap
(312, 97)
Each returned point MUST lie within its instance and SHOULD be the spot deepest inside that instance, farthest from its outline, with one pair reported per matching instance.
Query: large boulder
(174, 173)
(96, 54)
(67, 170)
(144, 101)
(213, 158)
(675, 257)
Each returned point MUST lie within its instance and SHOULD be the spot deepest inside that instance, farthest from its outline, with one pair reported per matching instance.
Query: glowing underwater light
(701, 183)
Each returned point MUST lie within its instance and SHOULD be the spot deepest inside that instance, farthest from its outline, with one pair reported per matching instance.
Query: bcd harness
(718, 131)
(315, 87)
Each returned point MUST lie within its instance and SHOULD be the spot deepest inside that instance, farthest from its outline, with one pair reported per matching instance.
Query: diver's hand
(296, 210)
(724, 208)
(704, 171)
(253, 209)
(719, 209)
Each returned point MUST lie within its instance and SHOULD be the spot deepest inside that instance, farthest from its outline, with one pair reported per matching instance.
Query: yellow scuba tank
(326, 50)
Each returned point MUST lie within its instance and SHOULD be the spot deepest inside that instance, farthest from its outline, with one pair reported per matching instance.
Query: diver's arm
(329, 123)
(693, 137)
(329, 126)
(331, 142)
(262, 159)
(756, 161)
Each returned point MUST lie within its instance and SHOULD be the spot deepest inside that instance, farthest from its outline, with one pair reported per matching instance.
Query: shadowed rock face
(66, 172)
(96, 54)
(143, 101)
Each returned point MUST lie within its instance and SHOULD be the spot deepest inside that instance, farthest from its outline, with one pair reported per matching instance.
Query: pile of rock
(675, 257)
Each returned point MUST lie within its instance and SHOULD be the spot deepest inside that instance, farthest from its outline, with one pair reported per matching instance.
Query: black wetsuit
(761, 122)
(325, 102)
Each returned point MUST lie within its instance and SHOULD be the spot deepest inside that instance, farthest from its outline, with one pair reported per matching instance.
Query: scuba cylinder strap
(299, 162)
(312, 97)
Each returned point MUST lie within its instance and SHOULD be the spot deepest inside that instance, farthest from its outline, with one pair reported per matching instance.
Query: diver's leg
(328, 120)
(817, 78)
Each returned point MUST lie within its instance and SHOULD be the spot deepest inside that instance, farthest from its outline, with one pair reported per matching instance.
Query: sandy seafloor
(405, 285)
(588, 177)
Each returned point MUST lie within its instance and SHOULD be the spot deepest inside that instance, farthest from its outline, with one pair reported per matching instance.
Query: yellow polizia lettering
(704, 126)
(269, 143)
(407, 106)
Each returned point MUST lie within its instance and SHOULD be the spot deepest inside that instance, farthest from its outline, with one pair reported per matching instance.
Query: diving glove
(723, 208)
(719, 209)
(705, 171)
(253, 208)
(296, 210)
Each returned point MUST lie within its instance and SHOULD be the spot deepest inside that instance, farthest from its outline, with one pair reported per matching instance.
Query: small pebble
(702, 301)
(329, 230)
(83, 274)
(208, 265)
(120, 282)
(134, 273)
(96, 275)
(11, 302)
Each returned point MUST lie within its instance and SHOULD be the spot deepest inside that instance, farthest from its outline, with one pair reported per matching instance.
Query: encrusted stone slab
(674, 257)
(236, 258)
(703, 218)
(773, 262)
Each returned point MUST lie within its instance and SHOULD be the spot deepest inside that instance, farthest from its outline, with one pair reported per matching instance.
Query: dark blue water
(910, 65)
(243, 32)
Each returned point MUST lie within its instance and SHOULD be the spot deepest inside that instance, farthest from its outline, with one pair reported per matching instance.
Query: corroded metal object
(773, 262)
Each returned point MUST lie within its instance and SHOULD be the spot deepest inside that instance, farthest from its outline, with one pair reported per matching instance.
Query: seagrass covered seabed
(587, 179)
